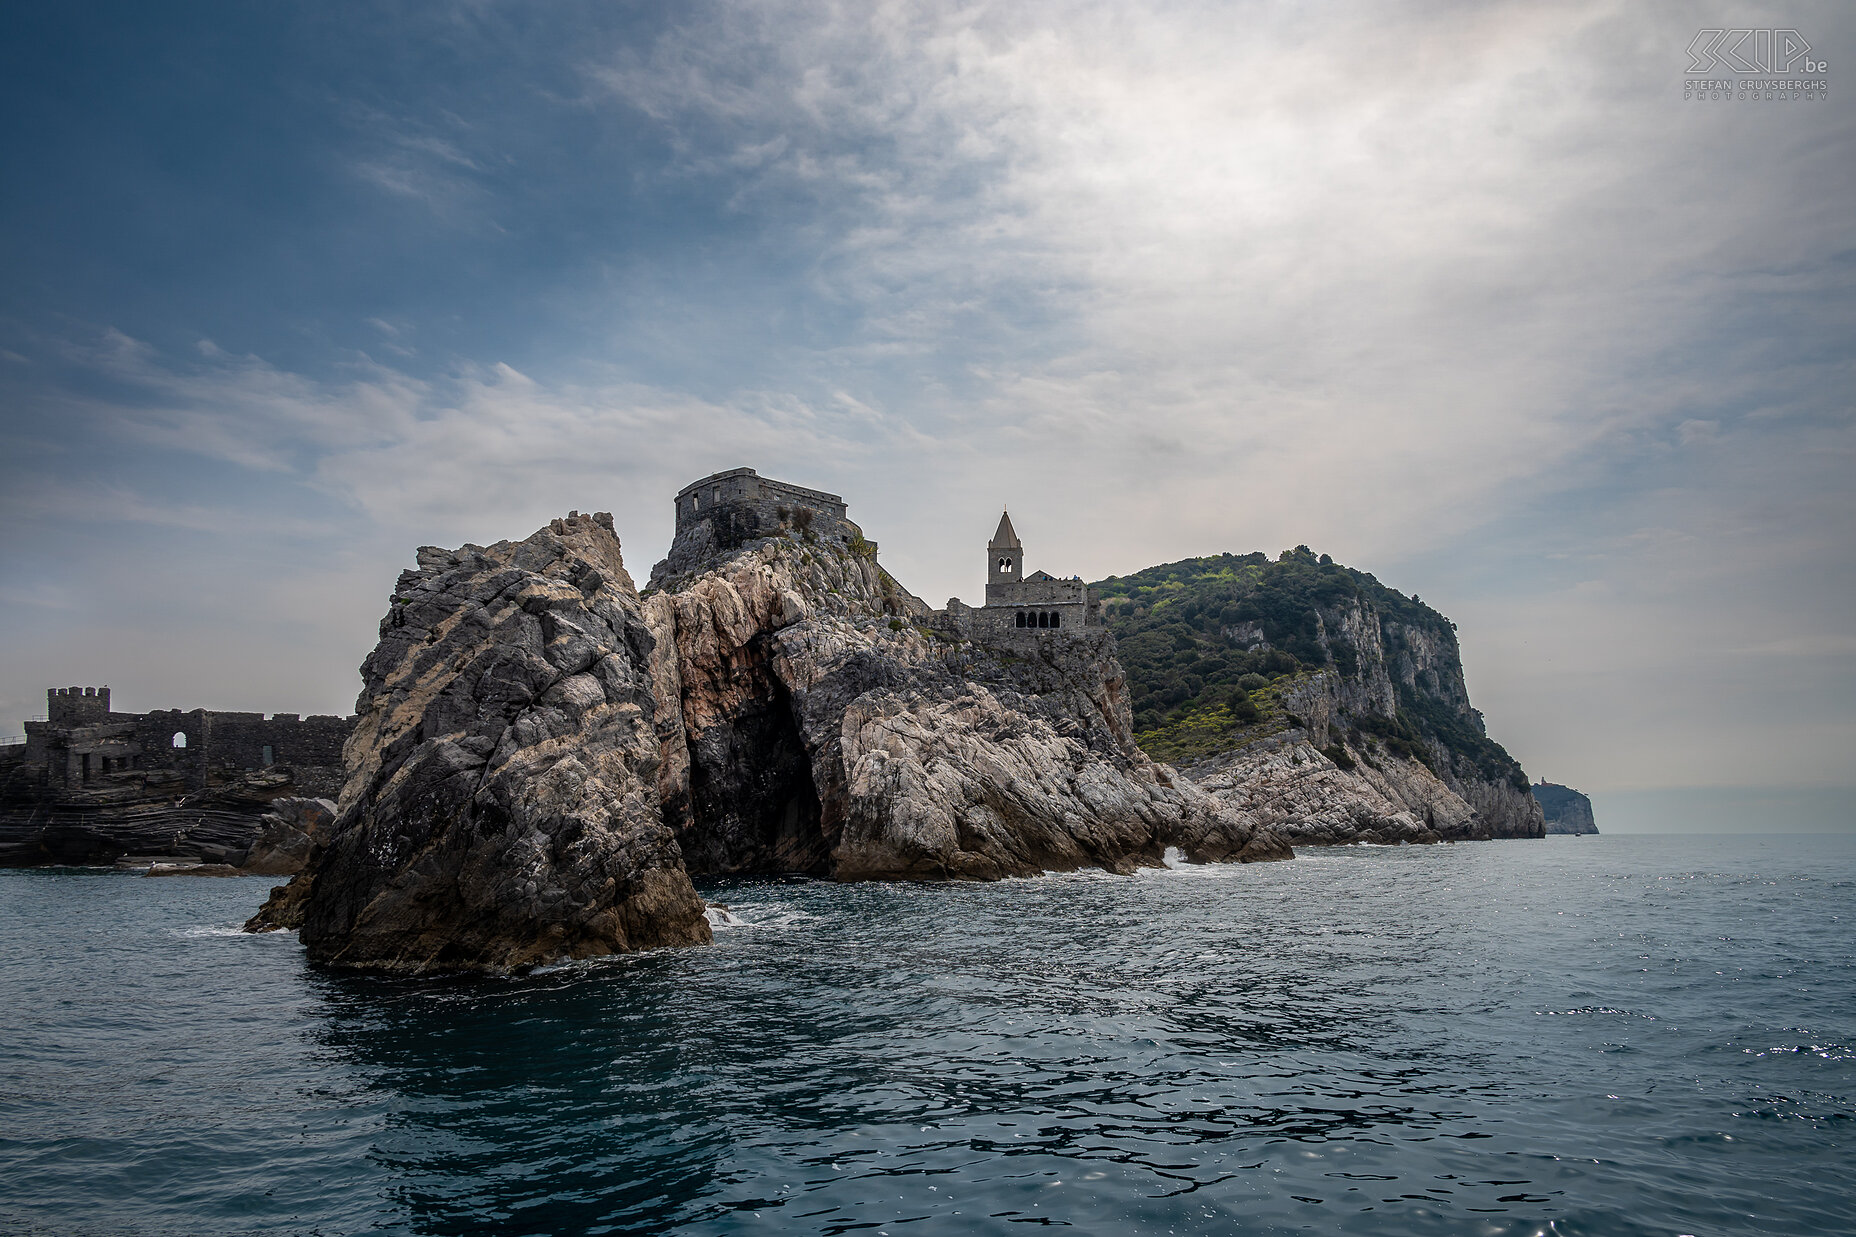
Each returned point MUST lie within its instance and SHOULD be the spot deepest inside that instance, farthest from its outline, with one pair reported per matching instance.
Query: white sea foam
(757, 915)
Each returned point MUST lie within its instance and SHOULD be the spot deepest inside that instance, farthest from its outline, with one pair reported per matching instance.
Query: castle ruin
(83, 745)
(728, 509)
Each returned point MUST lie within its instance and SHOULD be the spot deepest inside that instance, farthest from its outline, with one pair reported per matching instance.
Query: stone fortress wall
(729, 509)
(1033, 616)
(82, 744)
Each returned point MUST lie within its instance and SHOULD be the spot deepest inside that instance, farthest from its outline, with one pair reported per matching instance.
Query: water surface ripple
(1605, 1035)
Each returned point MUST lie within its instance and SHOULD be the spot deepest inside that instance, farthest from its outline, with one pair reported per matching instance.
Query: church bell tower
(1005, 558)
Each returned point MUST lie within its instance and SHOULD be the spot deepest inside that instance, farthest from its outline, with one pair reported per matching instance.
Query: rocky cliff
(1566, 810)
(544, 758)
(1314, 701)
(501, 805)
(887, 742)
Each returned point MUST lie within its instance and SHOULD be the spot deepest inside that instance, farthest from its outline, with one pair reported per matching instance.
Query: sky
(1469, 296)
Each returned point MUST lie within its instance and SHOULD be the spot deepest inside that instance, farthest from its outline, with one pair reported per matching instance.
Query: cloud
(1227, 249)
(1467, 296)
(422, 160)
(483, 448)
(243, 410)
(113, 503)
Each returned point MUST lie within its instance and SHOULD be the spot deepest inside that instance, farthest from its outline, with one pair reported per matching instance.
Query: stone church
(1039, 601)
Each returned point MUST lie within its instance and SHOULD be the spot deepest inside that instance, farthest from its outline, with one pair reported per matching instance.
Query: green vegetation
(1201, 729)
(1211, 645)
(1194, 635)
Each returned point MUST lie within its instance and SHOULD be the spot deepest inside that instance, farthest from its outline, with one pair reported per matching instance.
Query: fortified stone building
(728, 509)
(82, 745)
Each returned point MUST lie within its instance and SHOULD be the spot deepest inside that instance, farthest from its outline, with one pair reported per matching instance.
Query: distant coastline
(1566, 810)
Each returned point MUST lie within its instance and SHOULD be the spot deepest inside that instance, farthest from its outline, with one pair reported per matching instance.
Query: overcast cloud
(1468, 296)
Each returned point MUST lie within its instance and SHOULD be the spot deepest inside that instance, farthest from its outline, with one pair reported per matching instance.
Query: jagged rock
(286, 836)
(542, 759)
(501, 807)
(1283, 783)
(883, 750)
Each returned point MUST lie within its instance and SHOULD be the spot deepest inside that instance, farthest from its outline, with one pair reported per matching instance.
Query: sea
(1608, 1035)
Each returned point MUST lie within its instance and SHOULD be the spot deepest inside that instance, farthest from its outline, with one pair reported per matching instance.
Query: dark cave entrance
(753, 807)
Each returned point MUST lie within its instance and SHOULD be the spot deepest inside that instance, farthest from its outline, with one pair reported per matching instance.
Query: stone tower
(77, 706)
(1035, 601)
(1005, 558)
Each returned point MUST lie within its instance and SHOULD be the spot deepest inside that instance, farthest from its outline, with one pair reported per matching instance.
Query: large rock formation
(889, 745)
(501, 805)
(1567, 810)
(1315, 702)
(544, 759)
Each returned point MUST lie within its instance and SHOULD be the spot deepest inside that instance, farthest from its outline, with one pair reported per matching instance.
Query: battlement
(82, 742)
(77, 706)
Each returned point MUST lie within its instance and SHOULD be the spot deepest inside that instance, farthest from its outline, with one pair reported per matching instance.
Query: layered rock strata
(151, 815)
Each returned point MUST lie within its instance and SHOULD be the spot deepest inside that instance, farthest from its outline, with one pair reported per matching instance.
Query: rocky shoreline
(1314, 701)
(544, 757)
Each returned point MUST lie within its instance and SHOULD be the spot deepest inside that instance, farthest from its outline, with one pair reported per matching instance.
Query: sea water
(1609, 1035)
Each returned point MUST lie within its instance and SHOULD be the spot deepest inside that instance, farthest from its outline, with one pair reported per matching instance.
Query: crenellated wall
(82, 743)
(77, 706)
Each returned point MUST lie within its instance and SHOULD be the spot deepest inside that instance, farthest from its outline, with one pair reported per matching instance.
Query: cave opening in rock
(753, 807)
